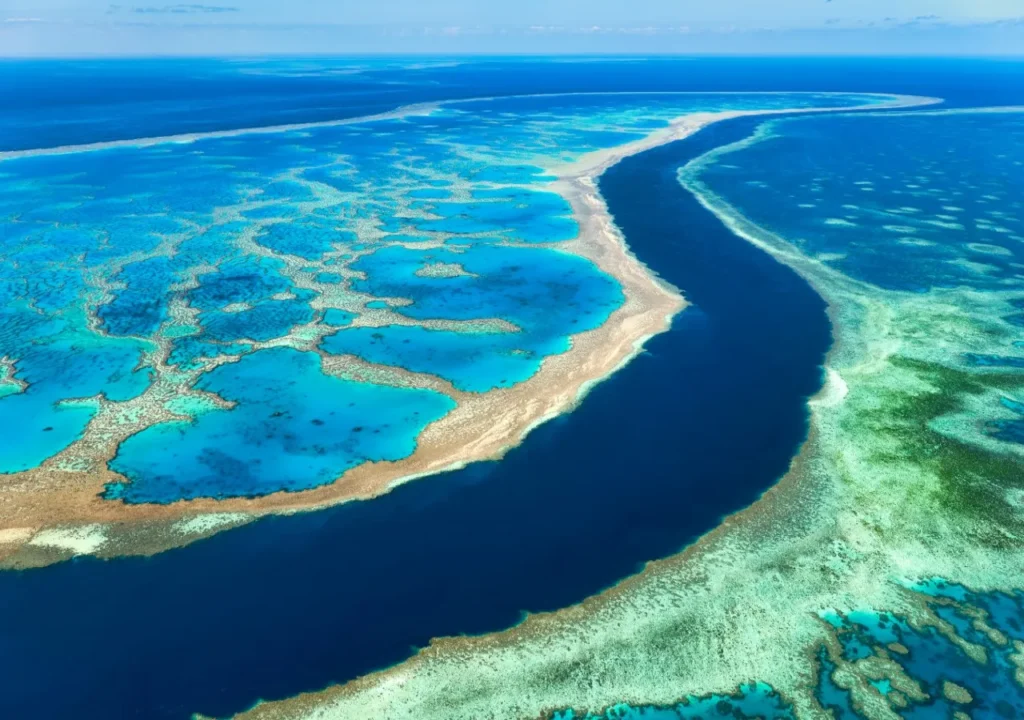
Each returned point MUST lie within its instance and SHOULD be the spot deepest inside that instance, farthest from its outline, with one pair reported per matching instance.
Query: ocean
(692, 430)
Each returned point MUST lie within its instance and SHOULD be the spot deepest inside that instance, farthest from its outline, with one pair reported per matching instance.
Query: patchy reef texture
(882, 577)
(277, 319)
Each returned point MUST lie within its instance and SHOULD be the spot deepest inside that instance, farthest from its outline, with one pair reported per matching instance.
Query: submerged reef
(168, 302)
(291, 426)
(882, 577)
(752, 701)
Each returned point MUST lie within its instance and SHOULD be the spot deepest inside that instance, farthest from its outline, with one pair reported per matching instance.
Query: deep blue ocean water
(871, 195)
(65, 103)
(695, 428)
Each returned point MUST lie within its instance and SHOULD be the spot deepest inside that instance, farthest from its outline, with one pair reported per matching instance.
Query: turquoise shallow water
(63, 365)
(293, 428)
(473, 362)
(752, 701)
(495, 282)
(143, 269)
(931, 658)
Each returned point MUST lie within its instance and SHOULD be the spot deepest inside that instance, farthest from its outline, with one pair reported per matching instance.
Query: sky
(232, 27)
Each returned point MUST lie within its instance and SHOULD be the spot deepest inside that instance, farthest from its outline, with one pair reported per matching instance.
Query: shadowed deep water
(695, 428)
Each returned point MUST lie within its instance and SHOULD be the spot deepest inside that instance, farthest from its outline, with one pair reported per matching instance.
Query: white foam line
(426, 108)
(404, 111)
(991, 110)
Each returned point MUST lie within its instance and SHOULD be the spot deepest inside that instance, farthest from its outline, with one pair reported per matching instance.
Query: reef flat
(881, 577)
(170, 300)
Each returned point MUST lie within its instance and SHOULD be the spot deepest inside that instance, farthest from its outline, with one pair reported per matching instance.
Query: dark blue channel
(694, 429)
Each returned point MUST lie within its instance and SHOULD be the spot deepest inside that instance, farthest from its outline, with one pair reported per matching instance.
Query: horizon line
(514, 54)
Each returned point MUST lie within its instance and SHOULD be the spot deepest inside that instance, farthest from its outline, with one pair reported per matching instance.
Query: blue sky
(91, 27)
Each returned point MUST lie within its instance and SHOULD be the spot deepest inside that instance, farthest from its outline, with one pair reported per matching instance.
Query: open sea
(695, 428)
